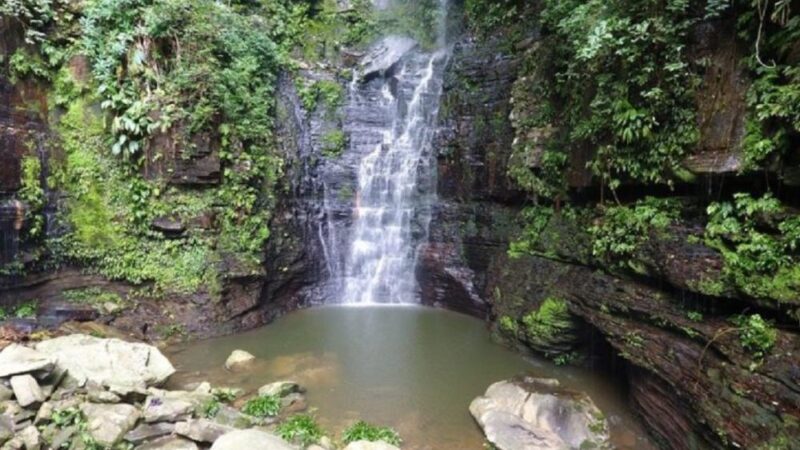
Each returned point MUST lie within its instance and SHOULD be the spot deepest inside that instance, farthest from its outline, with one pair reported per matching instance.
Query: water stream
(390, 200)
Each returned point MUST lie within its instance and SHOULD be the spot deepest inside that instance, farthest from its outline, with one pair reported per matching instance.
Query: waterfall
(394, 184)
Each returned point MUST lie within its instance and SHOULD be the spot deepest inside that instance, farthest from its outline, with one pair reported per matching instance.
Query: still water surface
(412, 368)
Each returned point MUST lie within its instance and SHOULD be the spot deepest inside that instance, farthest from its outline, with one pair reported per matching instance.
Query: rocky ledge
(81, 392)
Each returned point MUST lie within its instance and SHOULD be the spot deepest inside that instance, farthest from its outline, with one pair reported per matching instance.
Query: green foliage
(110, 208)
(330, 93)
(548, 321)
(619, 83)
(508, 326)
(25, 64)
(622, 229)
(760, 242)
(694, 316)
(263, 406)
(333, 143)
(326, 29)
(300, 429)
(756, 334)
(363, 431)
(536, 219)
(210, 409)
(419, 19)
(774, 96)
(484, 16)
(32, 194)
(74, 418)
(27, 310)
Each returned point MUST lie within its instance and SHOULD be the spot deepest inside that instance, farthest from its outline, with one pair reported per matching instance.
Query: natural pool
(412, 368)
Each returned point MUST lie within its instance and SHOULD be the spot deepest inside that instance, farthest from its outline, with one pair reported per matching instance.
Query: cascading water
(394, 176)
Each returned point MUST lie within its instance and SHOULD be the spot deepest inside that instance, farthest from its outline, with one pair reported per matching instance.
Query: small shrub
(301, 429)
(26, 310)
(210, 409)
(224, 395)
(263, 406)
(362, 431)
(333, 143)
(694, 316)
(756, 334)
(549, 320)
(508, 325)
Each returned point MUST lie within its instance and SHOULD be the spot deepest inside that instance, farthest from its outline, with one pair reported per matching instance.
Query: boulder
(198, 397)
(169, 443)
(123, 367)
(238, 359)
(280, 388)
(251, 440)
(17, 359)
(201, 430)
(26, 390)
(31, 438)
(5, 393)
(109, 423)
(162, 409)
(6, 428)
(384, 55)
(232, 417)
(537, 414)
(369, 445)
(148, 431)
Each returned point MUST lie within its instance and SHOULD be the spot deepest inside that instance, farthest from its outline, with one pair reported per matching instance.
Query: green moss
(334, 143)
(92, 296)
(32, 194)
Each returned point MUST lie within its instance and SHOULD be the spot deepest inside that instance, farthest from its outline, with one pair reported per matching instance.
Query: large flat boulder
(17, 359)
(251, 440)
(121, 366)
(537, 414)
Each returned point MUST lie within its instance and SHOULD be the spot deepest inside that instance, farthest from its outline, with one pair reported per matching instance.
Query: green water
(414, 369)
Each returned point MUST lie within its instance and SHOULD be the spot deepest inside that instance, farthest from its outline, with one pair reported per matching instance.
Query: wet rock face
(475, 214)
(692, 382)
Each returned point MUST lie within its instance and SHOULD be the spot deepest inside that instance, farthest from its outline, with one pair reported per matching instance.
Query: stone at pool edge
(169, 443)
(239, 359)
(17, 359)
(251, 440)
(123, 367)
(281, 388)
(108, 424)
(26, 390)
(368, 445)
(529, 414)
